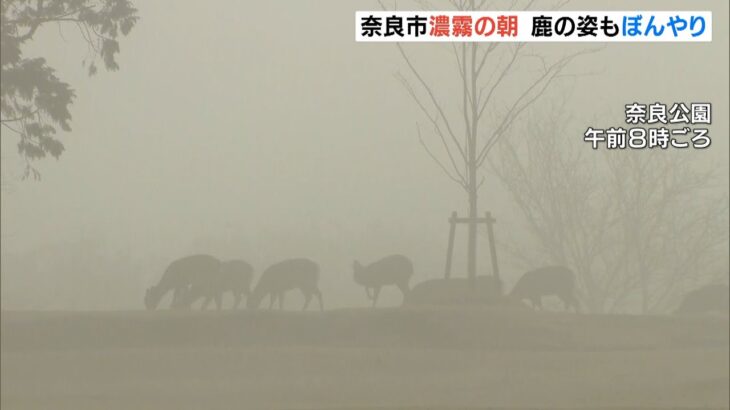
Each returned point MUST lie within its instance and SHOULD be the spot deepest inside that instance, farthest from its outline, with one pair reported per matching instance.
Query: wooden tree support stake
(489, 221)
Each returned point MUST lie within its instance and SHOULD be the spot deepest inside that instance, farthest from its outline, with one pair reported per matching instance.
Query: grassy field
(361, 359)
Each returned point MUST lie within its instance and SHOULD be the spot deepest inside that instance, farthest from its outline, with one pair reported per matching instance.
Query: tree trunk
(472, 240)
(472, 165)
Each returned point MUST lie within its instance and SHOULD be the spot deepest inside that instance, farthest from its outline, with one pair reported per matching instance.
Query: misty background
(262, 131)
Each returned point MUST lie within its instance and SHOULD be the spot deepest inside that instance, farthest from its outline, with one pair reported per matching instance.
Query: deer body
(196, 271)
(233, 276)
(456, 292)
(391, 270)
(707, 299)
(277, 279)
(547, 281)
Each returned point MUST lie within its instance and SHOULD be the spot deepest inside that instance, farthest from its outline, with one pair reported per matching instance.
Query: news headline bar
(537, 26)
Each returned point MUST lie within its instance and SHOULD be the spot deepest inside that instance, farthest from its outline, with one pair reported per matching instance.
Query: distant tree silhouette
(34, 100)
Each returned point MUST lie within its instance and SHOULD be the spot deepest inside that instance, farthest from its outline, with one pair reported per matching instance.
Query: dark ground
(362, 359)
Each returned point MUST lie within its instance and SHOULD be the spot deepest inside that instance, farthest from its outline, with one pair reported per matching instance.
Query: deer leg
(538, 302)
(181, 298)
(246, 294)
(403, 288)
(188, 296)
(219, 301)
(319, 297)
(376, 293)
(204, 305)
(367, 293)
(236, 300)
(175, 297)
(564, 299)
(178, 297)
(272, 299)
(574, 303)
(281, 300)
(307, 299)
(209, 297)
(191, 295)
(568, 302)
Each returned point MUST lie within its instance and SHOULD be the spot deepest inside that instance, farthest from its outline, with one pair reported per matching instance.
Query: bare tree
(564, 208)
(672, 220)
(635, 225)
(487, 107)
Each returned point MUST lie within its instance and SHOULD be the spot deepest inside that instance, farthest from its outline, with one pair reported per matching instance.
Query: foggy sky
(233, 121)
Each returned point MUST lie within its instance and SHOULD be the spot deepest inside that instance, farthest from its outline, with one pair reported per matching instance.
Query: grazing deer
(707, 299)
(547, 281)
(180, 276)
(277, 279)
(234, 276)
(391, 270)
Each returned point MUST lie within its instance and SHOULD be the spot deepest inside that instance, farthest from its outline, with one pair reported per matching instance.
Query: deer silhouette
(182, 275)
(277, 279)
(390, 270)
(233, 276)
(486, 290)
(547, 281)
